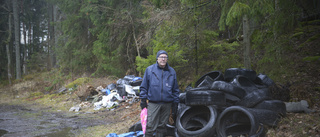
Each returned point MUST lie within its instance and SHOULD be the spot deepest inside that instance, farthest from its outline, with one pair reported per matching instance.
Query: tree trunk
(246, 42)
(196, 42)
(56, 34)
(16, 37)
(8, 42)
(275, 26)
(25, 50)
(51, 37)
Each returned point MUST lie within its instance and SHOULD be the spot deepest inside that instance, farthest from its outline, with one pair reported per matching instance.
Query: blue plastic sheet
(136, 78)
(129, 134)
(107, 91)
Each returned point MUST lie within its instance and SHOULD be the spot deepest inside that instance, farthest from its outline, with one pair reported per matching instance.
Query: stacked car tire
(237, 103)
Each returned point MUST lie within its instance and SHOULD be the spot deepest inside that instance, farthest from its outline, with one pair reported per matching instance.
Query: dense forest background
(101, 38)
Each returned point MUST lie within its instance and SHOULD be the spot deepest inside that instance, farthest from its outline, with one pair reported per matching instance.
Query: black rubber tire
(188, 88)
(208, 113)
(236, 121)
(262, 131)
(182, 97)
(195, 123)
(171, 130)
(228, 88)
(244, 83)
(198, 88)
(231, 73)
(254, 98)
(231, 100)
(266, 117)
(215, 75)
(205, 97)
(274, 105)
(181, 107)
(206, 82)
(265, 79)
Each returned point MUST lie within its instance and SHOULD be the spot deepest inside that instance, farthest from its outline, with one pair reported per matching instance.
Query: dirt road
(23, 121)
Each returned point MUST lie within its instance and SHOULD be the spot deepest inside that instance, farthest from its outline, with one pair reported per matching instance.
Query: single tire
(254, 98)
(206, 82)
(244, 83)
(274, 105)
(205, 97)
(265, 79)
(259, 84)
(214, 75)
(228, 88)
(231, 73)
(236, 121)
(208, 113)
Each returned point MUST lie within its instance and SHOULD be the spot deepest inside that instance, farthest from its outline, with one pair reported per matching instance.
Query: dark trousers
(158, 116)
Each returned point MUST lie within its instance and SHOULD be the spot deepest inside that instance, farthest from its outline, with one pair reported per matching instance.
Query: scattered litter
(125, 90)
(99, 88)
(76, 109)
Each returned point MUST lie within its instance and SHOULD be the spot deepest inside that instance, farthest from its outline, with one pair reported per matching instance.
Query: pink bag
(143, 116)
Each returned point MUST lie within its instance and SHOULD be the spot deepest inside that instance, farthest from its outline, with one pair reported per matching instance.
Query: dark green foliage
(159, 3)
(102, 36)
(121, 37)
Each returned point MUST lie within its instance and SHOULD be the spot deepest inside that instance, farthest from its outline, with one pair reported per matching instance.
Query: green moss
(77, 82)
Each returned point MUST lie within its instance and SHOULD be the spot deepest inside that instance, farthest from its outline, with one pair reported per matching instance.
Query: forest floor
(24, 112)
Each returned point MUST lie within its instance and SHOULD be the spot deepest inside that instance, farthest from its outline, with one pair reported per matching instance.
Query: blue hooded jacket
(159, 85)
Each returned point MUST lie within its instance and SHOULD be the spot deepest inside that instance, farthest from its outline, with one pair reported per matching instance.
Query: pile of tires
(237, 103)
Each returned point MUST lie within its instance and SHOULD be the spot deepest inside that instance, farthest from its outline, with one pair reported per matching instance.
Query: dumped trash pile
(234, 104)
(109, 97)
